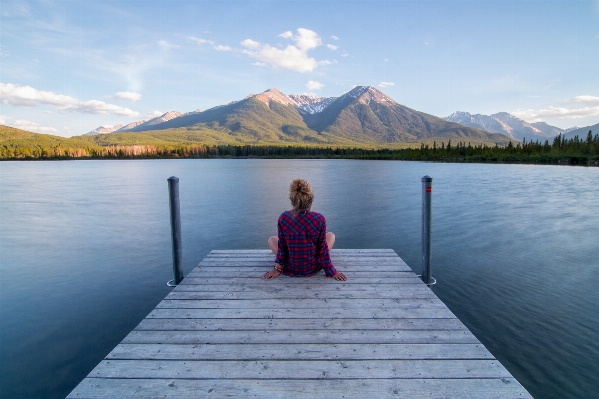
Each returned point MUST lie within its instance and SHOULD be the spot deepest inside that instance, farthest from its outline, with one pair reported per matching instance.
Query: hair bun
(300, 194)
(300, 186)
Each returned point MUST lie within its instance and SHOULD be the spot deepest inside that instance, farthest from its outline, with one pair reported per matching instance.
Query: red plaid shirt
(303, 248)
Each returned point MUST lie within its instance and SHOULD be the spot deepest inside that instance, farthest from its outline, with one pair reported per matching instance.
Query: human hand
(271, 274)
(340, 276)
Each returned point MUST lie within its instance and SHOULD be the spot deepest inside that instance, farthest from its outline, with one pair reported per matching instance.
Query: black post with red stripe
(427, 192)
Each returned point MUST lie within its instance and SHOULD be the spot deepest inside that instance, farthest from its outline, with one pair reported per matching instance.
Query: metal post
(427, 192)
(173, 195)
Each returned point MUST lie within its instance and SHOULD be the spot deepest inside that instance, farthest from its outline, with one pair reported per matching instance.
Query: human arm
(282, 255)
(323, 253)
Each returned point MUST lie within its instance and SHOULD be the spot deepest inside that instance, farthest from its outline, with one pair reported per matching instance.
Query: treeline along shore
(573, 151)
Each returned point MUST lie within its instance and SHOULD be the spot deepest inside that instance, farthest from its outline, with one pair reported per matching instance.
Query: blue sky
(67, 67)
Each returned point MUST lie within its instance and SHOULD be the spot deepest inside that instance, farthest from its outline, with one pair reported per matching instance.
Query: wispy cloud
(386, 84)
(155, 114)
(26, 125)
(332, 46)
(32, 126)
(314, 85)
(293, 57)
(27, 96)
(591, 100)
(555, 112)
(167, 45)
(199, 40)
(334, 38)
(563, 112)
(128, 96)
(218, 47)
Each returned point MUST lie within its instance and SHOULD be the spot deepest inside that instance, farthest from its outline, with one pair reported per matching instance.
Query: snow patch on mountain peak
(310, 104)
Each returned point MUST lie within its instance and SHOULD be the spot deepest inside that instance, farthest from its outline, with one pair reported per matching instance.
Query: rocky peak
(131, 125)
(105, 129)
(366, 94)
(272, 95)
(164, 117)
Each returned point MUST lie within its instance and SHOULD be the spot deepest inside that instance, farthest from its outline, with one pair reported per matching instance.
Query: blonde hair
(300, 194)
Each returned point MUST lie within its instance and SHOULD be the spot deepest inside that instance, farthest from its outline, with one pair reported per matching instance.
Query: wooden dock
(226, 333)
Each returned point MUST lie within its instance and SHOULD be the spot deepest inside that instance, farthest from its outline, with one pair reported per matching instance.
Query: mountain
(507, 124)
(104, 130)
(582, 132)
(136, 126)
(130, 126)
(364, 115)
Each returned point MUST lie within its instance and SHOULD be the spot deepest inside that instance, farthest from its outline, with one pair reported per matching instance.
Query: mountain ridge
(507, 124)
(363, 115)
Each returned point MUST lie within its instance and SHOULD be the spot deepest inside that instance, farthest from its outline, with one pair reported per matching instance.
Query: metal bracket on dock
(434, 280)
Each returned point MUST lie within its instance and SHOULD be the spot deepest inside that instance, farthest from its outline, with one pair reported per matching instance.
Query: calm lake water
(85, 253)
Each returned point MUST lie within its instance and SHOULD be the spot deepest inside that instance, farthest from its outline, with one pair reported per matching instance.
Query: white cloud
(294, 58)
(324, 62)
(334, 38)
(314, 85)
(591, 100)
(251, 44)
(27, 125)
(199, 40)
(260, 64)
(26, 96)
(128, 95)
(386, 84)
(222, 48)
(155, 114)
(97, 107)
(344, 55)
(167, 45)
(332, 46)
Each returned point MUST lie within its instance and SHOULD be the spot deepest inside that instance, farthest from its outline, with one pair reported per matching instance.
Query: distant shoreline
(393, 155)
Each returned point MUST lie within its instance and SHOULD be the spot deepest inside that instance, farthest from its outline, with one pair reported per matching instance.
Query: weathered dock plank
(489, 388)
(225, 332)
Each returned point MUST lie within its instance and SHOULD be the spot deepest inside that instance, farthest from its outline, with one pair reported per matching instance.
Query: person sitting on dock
(303, 244)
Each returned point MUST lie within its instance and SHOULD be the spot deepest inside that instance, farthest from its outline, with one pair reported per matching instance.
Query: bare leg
(273, 244)
(330, 240)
